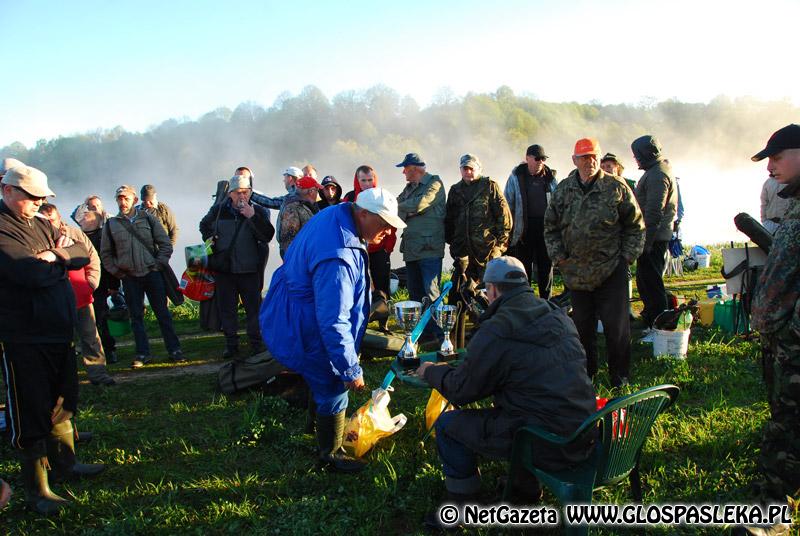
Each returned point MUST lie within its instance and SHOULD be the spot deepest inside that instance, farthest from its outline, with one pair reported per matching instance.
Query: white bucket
(394, 284)
(671, 343)
(703, 261)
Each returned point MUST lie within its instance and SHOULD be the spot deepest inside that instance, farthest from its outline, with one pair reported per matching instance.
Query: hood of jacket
(390, 239)
(519, 315)
(647, 151)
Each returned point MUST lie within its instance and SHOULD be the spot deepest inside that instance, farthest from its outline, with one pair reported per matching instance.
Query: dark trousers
(532, 249)
(35, 376)
(230, 288)
(101, 318)
(151, 285)
(649, 280)
(380, 271)
(609, 303)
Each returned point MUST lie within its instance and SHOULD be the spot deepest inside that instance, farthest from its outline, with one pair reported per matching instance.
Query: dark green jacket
(422, 207)
(526, 355)
(478, 221)
(776, 304)
(592, 231)
(656, 192)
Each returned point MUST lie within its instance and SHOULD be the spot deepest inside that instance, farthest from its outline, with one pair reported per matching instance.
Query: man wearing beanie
(528, 191)
(315, 314)
(240, 230)
(527, 357)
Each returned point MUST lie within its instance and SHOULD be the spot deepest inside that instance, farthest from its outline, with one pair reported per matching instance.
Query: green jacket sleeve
(501, 228)
(417, 204)
(552, 229)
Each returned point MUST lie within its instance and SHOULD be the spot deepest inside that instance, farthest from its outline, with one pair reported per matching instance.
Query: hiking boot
(330, 429)
(38, 496)
(141, 360)
(177, 357)
(230, 352)
(61, 453)
(106, 381)
(111, 357)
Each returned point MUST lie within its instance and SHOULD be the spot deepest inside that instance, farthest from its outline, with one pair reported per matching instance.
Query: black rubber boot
(61, 453)
(330, 429)
(311, 416)
(38, 496)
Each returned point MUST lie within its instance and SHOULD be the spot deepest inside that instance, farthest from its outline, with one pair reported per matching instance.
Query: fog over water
(708, 145)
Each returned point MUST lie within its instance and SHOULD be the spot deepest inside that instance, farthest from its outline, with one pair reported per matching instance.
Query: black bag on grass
(251, 371)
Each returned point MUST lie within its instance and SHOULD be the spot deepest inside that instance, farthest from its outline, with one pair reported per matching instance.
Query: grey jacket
(422, 206)
(656, 192)
(516, 197)
(527, 356)
(123, 255)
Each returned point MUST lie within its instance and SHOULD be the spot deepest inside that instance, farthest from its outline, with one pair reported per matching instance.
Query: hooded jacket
(314, 316)
(390, 239)
(656, 191)
(516, 196)
(592, 230)
(323, 203)
(527, 356)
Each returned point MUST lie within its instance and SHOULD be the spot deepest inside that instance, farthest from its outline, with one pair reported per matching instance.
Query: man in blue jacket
(315, 314)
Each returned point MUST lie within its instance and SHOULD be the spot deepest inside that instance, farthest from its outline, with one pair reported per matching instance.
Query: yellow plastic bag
(370, 423)
(436, 405)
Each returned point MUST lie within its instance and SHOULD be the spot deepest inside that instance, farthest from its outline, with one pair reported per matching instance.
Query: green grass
(184, 459)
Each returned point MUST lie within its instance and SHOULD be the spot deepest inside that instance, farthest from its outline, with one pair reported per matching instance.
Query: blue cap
(411, 159)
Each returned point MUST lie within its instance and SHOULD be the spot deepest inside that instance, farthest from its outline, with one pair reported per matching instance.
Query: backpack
(251, 371)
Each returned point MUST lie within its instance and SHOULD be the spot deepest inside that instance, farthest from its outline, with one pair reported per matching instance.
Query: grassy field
(183, 459)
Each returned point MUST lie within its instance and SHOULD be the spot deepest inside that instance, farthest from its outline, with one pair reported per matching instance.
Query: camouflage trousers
(779, 462)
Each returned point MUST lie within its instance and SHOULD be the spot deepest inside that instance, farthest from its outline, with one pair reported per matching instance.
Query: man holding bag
(135, 248)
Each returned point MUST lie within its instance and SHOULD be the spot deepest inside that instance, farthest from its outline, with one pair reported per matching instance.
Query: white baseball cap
(31, 180)
(381, 202)
(294, 172)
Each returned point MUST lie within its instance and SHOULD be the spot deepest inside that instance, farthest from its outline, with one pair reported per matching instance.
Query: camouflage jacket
(293, 215)
(592, 231)
(777, 299)
(477, 223)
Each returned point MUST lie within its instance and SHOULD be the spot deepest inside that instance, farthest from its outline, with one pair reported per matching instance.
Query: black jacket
(527, 356)
(37, 304)
(656, 191)
(249, 253)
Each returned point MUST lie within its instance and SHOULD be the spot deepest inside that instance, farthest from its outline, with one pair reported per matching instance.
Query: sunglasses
(28, 196)
(540, 158)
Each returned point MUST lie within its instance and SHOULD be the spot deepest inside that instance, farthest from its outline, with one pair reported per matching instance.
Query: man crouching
(526, 355)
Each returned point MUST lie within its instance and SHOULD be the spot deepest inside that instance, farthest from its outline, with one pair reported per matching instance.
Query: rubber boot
(311, 416)
(61, 453)
(38, 496)
(330, 429)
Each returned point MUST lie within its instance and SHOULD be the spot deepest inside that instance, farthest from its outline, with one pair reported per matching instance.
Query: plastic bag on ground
(436, 406)
(370, 423)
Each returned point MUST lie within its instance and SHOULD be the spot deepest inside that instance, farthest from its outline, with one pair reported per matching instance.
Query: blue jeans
(459, 462)
(423, 278)
(152, 285)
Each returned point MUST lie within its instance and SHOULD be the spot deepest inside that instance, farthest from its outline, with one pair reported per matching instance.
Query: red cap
(586, 146)
(306, 182)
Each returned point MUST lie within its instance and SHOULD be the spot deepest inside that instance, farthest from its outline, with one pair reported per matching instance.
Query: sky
(79, 66)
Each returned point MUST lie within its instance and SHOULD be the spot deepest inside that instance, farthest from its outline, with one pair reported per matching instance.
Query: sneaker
(648, 336)
(177, 357)
(141, 360)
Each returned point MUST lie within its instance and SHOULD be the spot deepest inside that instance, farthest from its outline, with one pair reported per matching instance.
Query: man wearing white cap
(290, 178)
(37, 320)
(315, 314)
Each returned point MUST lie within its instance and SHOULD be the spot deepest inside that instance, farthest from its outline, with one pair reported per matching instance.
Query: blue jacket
(315, 313)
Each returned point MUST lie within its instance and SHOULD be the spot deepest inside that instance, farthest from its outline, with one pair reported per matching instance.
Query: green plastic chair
(615, 457)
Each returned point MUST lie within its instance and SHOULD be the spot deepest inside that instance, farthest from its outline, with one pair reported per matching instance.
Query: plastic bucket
(118, 329)
(671, 343)
(703, 261)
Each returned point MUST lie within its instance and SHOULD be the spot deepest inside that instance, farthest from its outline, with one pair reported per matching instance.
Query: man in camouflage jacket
(594, 230)
(477, 222)
(776, 315)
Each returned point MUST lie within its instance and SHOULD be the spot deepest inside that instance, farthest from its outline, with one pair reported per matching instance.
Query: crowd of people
(525, 351)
